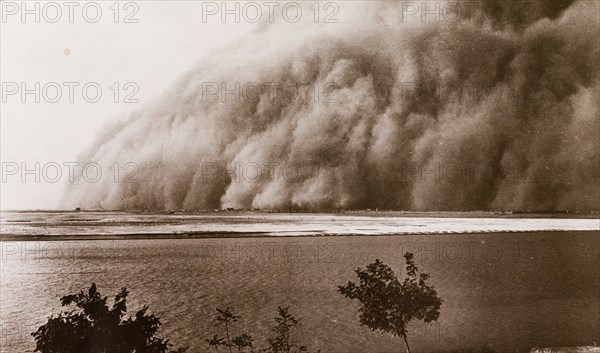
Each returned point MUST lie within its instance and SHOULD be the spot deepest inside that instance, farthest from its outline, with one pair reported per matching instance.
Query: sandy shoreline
(242, 235)
(36, 226)
(366, 213)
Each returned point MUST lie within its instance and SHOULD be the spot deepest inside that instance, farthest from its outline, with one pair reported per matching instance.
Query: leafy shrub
(388, 305)
(93, 327)
(285, 324)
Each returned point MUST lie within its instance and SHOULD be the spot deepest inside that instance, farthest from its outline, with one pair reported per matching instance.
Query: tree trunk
(406, 344)
(228, 340)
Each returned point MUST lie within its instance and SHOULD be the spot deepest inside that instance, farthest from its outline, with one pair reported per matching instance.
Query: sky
(511, 122)
(168, 38)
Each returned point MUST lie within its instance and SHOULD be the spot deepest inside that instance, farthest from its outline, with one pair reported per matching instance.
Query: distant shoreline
(370, 213)
(254, 235)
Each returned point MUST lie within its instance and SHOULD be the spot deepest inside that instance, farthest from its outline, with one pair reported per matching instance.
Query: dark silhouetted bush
(227, 317)
(93, 327)
(388, 305)
(285, 324)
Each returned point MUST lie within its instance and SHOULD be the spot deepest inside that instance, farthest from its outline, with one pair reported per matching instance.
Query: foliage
(242, 342)
(286, 323)
(388, 305)
(227, 317)
(95, 328)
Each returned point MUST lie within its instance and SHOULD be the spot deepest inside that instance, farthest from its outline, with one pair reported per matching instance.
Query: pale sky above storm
(167, 40)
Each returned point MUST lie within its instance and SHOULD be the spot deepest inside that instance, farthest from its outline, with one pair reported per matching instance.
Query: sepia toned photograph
(308, 176)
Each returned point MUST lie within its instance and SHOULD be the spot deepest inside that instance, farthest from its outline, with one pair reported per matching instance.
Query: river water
(507, 290)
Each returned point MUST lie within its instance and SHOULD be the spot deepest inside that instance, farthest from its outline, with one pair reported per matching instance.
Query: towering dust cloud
(494, 110)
